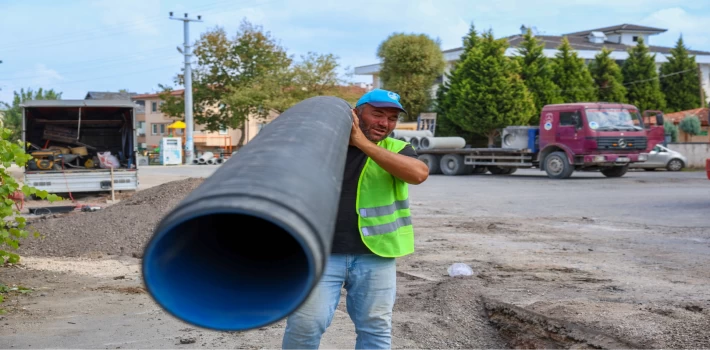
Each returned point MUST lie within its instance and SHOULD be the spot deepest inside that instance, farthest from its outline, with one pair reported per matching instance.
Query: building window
(154, 129)
(162, 129)
(635, 38)
(223, 131)
(154, 106)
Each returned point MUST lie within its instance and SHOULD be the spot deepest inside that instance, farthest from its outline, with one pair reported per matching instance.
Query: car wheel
(675, 165)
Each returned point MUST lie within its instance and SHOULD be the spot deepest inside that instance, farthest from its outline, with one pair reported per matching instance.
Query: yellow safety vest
(382, 204)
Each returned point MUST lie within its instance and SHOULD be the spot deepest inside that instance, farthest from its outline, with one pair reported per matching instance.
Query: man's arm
(406, 168)
(409, 169)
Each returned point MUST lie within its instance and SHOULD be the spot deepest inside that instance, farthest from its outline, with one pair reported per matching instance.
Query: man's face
(377, 123)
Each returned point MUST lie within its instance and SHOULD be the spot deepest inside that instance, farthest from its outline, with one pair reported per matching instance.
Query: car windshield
(614, 119)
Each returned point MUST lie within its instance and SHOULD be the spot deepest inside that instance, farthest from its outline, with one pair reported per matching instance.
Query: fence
(696, 152)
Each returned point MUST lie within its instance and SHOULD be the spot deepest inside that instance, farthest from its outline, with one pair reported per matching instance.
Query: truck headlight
(643, 157)
(599, 159)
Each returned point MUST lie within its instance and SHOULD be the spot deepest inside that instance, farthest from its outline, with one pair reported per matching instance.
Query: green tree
(250, 76)
(690, 125)
(317, 75)
(444, 125)
(572, 75)
(487, 92)
(670, 129)
(680, 84)
(607, 77)
(641, 79)
(537, 74)
(13, 113)
(411, 64)
(234, 79)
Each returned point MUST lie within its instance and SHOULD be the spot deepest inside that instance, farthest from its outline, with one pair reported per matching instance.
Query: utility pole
(189, 123)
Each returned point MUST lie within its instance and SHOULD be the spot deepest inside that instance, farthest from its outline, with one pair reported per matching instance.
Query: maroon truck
(598, 136)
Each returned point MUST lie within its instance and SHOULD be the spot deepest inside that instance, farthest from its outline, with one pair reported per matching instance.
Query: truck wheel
(675, 165)
(432, 161)
(557, 165)
(477, 170)
(617, 171)
(452, 164)
(496, 170)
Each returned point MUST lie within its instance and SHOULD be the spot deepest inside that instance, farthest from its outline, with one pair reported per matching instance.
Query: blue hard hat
(381, 98)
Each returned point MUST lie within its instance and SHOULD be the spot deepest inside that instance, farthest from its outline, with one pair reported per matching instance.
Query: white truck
(80, 145)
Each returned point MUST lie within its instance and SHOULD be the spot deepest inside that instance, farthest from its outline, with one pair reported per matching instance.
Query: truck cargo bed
(474, 151)
(89, 180)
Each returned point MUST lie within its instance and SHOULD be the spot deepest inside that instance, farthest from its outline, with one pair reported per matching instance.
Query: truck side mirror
(659, 119)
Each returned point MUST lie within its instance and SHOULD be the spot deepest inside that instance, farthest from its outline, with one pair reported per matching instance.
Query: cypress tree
(607, 77)
(486, 91)
(682, 90)
(641, 79)
(572, 75)
(537, 74)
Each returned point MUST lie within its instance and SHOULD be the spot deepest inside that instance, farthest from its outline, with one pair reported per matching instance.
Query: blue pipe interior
(228, 271)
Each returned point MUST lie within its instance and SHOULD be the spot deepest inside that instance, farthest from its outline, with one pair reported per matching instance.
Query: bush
(13, 225)
(690, 125)
(671, 129)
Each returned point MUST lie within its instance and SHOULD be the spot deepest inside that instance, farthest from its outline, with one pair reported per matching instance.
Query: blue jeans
(370, 282)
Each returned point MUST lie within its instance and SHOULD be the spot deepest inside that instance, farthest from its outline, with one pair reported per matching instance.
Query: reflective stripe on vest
(385, 209)
(387, 228)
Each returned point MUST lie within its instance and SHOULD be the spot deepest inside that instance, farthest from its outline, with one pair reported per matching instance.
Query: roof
(619, 29)
(591, 105)
(581, 43)
(99, 95)
(79, 103)
(157, 95)
(702, 113)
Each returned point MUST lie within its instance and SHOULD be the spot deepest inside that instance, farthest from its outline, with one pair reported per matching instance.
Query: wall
(695, 152)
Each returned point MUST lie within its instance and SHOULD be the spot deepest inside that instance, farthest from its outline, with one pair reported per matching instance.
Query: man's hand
(357, 138)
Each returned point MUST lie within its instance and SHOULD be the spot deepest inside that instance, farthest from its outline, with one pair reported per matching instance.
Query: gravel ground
(119, 229)
(608, 267)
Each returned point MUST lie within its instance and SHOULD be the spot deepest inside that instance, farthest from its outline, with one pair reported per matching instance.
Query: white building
(587, 43)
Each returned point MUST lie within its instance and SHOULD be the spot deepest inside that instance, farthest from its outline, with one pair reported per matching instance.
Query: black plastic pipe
(246, 248)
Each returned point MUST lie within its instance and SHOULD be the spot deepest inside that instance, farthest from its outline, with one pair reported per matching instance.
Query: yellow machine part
(45, 158)
(89, 163)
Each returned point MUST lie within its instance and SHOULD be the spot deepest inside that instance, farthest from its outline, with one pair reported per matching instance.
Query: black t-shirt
(347, 236)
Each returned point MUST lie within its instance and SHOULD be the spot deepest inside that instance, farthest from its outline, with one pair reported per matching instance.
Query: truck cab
(594, 136)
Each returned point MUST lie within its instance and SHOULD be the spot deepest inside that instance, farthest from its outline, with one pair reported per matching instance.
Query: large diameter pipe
(410, 133)
(205, 157)
(246, 248)
(441, 142)
(414, 141)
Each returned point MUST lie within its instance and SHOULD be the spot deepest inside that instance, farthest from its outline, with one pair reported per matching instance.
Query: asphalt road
(657, 198)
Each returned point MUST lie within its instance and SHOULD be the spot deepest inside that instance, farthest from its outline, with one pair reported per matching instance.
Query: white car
(663, 157)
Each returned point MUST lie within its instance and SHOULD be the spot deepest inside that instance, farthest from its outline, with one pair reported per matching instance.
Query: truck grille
(621, 143)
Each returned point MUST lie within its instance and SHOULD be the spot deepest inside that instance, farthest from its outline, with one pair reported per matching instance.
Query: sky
(77, 46)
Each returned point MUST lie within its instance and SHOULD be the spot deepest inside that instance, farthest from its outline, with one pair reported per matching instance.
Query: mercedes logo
(622, 143)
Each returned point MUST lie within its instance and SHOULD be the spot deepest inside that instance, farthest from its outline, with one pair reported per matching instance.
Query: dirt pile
(446, 314)
(120, 229)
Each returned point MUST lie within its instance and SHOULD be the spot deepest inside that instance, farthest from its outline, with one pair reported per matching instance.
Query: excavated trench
(524, 329)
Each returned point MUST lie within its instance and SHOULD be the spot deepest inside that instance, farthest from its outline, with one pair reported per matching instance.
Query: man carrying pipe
(373, 228)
